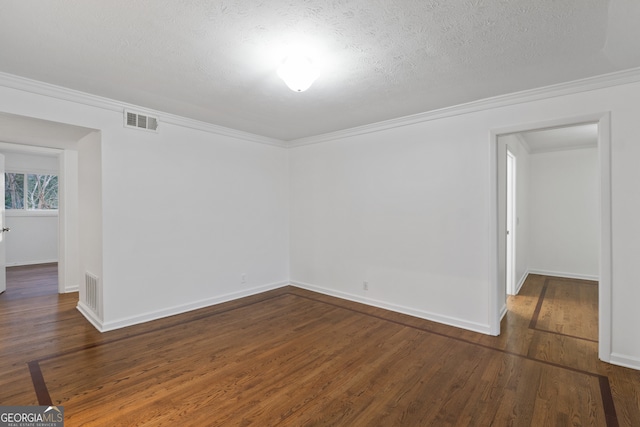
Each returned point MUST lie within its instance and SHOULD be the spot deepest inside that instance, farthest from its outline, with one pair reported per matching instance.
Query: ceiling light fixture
(298, 72)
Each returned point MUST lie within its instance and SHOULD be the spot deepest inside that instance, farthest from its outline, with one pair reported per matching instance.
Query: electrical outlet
(243, 278)
(365, 285)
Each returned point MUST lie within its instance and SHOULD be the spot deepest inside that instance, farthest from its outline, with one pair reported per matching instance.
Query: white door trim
(511, 227)
(3, 244)
(603, 119)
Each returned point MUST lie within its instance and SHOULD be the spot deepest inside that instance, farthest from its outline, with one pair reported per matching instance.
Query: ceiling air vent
(140, 121)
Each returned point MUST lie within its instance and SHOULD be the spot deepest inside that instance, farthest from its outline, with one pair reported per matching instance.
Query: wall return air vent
(140, 121)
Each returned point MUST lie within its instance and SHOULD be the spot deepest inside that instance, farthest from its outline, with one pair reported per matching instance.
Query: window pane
(42, 191)
(14, 191)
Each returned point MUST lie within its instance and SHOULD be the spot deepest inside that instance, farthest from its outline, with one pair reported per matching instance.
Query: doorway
(31, 217)
(31, 135)
(603, 226)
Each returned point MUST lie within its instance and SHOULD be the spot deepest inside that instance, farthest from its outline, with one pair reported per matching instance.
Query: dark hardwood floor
(27, 281)
(295, 358)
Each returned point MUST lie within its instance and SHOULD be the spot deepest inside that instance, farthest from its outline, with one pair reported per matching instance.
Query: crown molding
(220, 130)
(546, 92)
(561, 89)
(71, 95)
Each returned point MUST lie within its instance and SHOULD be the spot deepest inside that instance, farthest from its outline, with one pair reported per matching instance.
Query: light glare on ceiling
(298, 72)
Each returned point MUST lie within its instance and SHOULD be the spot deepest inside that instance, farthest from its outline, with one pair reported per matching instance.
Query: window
(30, 191)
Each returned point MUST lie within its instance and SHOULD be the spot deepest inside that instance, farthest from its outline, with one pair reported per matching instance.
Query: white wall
(69, 274)
(565, 213)
(30, 162)
(409, 210)
(34, 235)
(558, 212)
(406, 210)
(90, 223)
(184, 212)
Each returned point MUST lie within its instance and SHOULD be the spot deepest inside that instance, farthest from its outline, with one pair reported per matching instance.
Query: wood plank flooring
(291, 357)
(568, 310)
(27, 281)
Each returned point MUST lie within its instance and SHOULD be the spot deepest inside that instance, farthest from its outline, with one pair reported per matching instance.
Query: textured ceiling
(215, 61)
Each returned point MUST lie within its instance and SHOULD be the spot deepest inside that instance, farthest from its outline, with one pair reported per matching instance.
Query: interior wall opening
(31, 216)
(58, 143)
(563, 169)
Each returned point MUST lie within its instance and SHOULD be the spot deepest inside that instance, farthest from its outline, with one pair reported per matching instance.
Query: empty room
(339, 213)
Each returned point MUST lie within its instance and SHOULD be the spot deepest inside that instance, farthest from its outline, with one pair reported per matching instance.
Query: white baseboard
(626, 361)
(89, 315)
(179, 309)
(564, 274)
(71, 289)
(503, 311)
(20, 263)
(447, 320)
(521, 282)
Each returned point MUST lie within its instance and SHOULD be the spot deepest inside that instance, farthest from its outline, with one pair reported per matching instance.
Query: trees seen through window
(30, 191)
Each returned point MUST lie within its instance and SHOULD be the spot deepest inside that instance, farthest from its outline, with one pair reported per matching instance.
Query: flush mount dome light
(298, 72)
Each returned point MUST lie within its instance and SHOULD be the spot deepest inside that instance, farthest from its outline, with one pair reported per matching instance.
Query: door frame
(3, 225)
(496, 296)
(511, 230)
